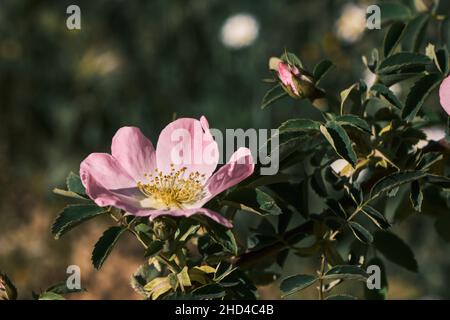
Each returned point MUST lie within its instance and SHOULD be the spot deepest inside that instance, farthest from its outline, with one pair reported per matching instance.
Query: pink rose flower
(176, 179)
(286, 74)
(444, 94)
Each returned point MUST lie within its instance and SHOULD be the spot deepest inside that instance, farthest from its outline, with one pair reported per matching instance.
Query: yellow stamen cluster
(174, 190)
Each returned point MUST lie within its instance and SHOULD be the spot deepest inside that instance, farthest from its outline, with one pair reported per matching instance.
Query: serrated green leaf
(353, 121)
(429, 159)
(393, 78)
(377, 218)
(252, 200)
(299, 125)
(105, 244)
(186, 229)
(340, 141)
(143, 228)
(395, 250)
(393, 11)
(74, 184)
(413, 33)
(418, 94)
(361, 233)
(346, 272)
(321, 69)
(402, 60)
(223, 269)
(73, 215)
(50, 296)
(395, 180)
(296, 283)
(69, 194)
(393, 37)
(345, 94)
(385, 92)
(222, 236)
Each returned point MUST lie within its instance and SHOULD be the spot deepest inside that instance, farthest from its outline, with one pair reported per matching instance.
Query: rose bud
(295, 81)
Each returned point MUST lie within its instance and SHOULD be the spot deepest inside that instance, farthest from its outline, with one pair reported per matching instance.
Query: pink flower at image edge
(144, 181)
(444, 95)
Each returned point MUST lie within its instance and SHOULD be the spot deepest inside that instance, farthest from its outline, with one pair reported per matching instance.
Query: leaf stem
(170, 264)
(322, 272)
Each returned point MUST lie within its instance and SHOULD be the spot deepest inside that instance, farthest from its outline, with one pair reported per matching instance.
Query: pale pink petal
(126, 199)
(444, 94)
(106, 170)
(189, 212)
(108, 184)
(285, 75)
(187, 143)
(134, 152)
(240, 166)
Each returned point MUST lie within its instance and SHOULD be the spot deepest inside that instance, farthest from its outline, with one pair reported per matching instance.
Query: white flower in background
(339, 165)
(351, 24)
(369, 79)
(239, 30)
(434, 133)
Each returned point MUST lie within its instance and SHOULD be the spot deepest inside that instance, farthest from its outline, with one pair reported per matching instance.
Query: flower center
(173, 190)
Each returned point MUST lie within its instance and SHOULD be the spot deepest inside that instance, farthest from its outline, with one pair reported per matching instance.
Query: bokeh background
(64, 93)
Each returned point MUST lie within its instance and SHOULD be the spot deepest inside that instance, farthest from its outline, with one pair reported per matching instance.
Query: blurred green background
(64, 93)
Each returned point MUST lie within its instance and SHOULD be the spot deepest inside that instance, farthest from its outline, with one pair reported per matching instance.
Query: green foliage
(401, 61)
(393, 37)
(385, 92)
(419, 92)
(393, 11)
(346, 272)
(321, 69)
(105, 244)
(311, 209)
(395, 250)
(73, 215)
(339, 140)
(296, 283)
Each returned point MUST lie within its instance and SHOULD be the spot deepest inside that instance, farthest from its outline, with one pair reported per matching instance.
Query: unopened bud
(164, 228)
(296, 82)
